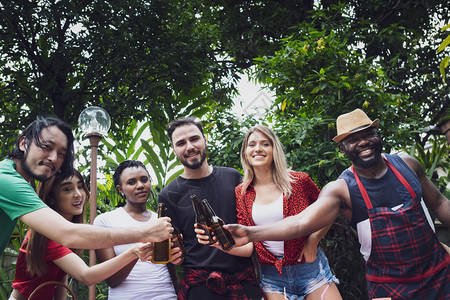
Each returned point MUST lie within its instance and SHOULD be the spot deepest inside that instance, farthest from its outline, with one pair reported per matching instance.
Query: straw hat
(352, 122)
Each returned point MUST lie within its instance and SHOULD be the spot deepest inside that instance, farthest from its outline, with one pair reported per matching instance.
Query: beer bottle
(223, 236)
(200, 218)
(161, 250)
(177, 239)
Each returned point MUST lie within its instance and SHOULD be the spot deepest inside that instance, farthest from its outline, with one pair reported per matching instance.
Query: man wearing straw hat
(380, 195)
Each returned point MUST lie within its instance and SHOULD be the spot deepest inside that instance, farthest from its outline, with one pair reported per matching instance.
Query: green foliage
(107, 195)
(342, 250)
(246, 29)
(5, 284)
(403, 40)
(8, 268)
(316, 77)
(303, 150)
(125, 148)
(139, 60)
(435, 158)
(445, 61)
(8, 260)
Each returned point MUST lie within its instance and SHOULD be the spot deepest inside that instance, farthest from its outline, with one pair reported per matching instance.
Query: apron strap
(396, 173)
(362, 190)
(402, 179)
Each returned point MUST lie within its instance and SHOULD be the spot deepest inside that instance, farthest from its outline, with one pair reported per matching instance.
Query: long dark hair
(33, 133)
(37, 244)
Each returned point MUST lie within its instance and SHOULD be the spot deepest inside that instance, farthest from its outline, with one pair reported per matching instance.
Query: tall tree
(343, 58)
(140, 60)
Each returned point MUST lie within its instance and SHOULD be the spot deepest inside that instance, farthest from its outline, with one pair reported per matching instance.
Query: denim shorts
(298, 280)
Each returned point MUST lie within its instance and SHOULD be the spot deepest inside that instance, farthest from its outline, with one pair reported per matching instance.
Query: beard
(27, 169)
(365, 164)
(194, 164)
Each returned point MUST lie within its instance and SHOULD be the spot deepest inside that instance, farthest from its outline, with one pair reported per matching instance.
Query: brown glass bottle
(177, 239)
(200, 218)
(161, 250)
(223, 236)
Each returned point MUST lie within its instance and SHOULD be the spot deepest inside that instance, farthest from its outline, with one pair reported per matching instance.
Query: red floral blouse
(304, 192)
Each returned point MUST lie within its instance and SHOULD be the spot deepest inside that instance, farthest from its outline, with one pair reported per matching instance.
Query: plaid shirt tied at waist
(218, 282)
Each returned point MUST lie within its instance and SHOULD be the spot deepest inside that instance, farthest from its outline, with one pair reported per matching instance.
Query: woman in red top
(294, 269)
(41, 260)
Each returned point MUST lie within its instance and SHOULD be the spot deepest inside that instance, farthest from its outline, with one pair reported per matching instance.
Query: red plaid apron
(406, 260)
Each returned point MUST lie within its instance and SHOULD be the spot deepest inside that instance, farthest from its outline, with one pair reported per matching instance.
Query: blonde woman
(294, 269)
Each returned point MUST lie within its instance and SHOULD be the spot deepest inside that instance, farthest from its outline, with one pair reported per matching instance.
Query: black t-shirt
(218, 189)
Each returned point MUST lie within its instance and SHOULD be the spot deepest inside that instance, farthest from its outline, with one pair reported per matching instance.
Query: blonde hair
(37, 244)
(281, 175)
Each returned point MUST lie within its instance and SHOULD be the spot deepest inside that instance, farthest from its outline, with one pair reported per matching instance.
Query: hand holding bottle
(200, 219)
(242, 235)
(143, 250)
(162, 250)
(178, 251)
(204, 239)
(156, 230)
(216, 224)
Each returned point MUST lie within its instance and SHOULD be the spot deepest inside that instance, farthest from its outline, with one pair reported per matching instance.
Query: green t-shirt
(17, 197)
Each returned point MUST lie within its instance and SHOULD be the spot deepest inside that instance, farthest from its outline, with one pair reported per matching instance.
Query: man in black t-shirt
(208, 273)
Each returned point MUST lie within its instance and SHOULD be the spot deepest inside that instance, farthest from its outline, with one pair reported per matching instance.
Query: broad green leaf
(152, 157)
(136, 137)
(444, 64)
(173, 165)
(175, 175)
(444, 44)
(315, 90)
(283, 106)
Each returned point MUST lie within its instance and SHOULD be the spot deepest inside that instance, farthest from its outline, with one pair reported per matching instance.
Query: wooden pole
(94, 139)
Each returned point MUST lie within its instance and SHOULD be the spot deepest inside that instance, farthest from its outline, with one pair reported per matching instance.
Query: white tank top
(268, 214)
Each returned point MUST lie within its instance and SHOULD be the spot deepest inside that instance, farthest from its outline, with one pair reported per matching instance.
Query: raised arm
(320, 214)
(83, 236)
(119, 276)
(245, 250)
(73, 265)
(434, 200)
